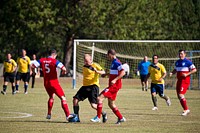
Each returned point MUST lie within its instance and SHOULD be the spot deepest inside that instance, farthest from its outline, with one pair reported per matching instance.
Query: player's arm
(173, 72)
(121, 74)
(191, 72)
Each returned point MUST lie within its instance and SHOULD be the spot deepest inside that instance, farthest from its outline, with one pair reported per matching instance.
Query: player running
(9, 73)
(184, 68)
(157, 73)
(115, 83)
(51, 82)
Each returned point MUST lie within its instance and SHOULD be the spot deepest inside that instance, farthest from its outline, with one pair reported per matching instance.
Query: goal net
(133, 52)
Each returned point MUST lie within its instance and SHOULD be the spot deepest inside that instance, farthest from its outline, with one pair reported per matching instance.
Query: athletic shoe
(120, 120)
(168, 101)
(26, 92)
(17, 91)
(3, 92)
(69, 116)
(14, 92)
(155, 108)
(104, 116)
(48, 117)
(185, 112)
(95, 119)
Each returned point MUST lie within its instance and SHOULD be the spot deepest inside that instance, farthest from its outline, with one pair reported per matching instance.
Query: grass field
(133, 103)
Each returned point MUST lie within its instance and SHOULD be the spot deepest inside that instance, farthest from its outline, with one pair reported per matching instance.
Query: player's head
(23, 52)
(87, 59)
(181, 54)
(111, 54)
(34, 57)
(53, 53)
(145, 58)
(155, 59)
(9, 56)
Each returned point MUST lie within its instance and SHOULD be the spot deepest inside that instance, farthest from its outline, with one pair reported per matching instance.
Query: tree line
(40, 25)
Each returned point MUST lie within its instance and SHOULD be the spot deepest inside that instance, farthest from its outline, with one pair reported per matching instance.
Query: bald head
(87, 59)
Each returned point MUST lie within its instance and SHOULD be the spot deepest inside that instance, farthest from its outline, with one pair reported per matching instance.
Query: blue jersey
(143, 67)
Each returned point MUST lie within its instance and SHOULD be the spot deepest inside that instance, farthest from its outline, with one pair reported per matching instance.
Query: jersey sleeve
(98, 67)
(191, 66)
(163, 70)
(59, 64)
(36, 63)
(29, 61)
(14, 63)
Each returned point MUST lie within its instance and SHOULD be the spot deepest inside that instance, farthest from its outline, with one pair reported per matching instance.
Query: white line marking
(21, 115)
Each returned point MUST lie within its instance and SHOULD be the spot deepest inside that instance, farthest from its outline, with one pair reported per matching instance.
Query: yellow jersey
(23, 64)
(156, 72)
(90, 77)
(9, 66)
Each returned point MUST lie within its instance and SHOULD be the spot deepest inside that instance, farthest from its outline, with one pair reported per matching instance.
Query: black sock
(154, 99)
(76, 109)
(4, 88)
(13, 88)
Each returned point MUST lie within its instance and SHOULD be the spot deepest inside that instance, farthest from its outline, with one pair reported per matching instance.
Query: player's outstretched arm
(173, 72)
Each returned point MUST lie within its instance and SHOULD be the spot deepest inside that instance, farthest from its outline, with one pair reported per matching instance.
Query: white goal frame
(77, 41)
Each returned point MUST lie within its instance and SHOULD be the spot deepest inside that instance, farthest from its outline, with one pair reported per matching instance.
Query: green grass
(134, 104)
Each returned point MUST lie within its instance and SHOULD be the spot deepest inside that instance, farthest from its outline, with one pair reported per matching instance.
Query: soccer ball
(74, 118)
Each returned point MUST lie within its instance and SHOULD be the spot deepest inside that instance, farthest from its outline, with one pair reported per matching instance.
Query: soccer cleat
(95, 119)
(104, 116)
(155, 108)
(3, 92)
(168, 101)
(69, 116)
(185, 112)
(119, 121)
(14, 92)
(17, 91)
(26, 92)
(48, 117)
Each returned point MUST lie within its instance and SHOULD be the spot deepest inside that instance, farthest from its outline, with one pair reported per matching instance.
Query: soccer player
(115, 84)
(51, 82)
(143, 70)
(9, 73)
(90, 88)
(24, 71)
(184, 68)
(157, 74)
(34, 72)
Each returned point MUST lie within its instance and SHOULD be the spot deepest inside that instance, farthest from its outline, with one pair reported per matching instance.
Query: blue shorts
(143, 77)
(158, 89)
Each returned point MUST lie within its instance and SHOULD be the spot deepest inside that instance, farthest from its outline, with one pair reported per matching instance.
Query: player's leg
(113, 107)
(146, 83)
(18, 78)
(12, 81)
(92, 97)
(181, 89)
(153, 96)
(50, 103)
(33, 80)
(142, 82)
(25, 78)
(160, 88)
(5, 84)
(60, 93)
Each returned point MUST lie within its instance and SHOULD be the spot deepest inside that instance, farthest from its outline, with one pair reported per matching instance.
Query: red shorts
(111, 92)
(182, 87)
(54, 87)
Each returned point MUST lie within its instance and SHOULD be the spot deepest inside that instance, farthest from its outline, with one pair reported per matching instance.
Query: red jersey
(49, 66)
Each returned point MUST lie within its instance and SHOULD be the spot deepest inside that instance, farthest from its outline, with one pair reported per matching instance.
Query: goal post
(132, 52)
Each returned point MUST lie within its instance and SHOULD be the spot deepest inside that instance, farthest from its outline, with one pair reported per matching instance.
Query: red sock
(184, 103)
(50, 105)
(117, 113)
(99, 109)
(65, 107)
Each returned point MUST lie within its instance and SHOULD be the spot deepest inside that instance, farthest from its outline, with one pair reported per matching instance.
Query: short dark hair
(154, 56)
(52, 51)
(111, 51)
(181, 50)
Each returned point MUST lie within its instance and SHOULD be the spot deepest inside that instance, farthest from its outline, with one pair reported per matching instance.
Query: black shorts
(23, 76)
(143, 77)
(9, 77)
(90, 92)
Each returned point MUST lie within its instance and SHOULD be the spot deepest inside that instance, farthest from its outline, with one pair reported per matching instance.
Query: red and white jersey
(49, 66)
(115, 69)
(183, 66)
